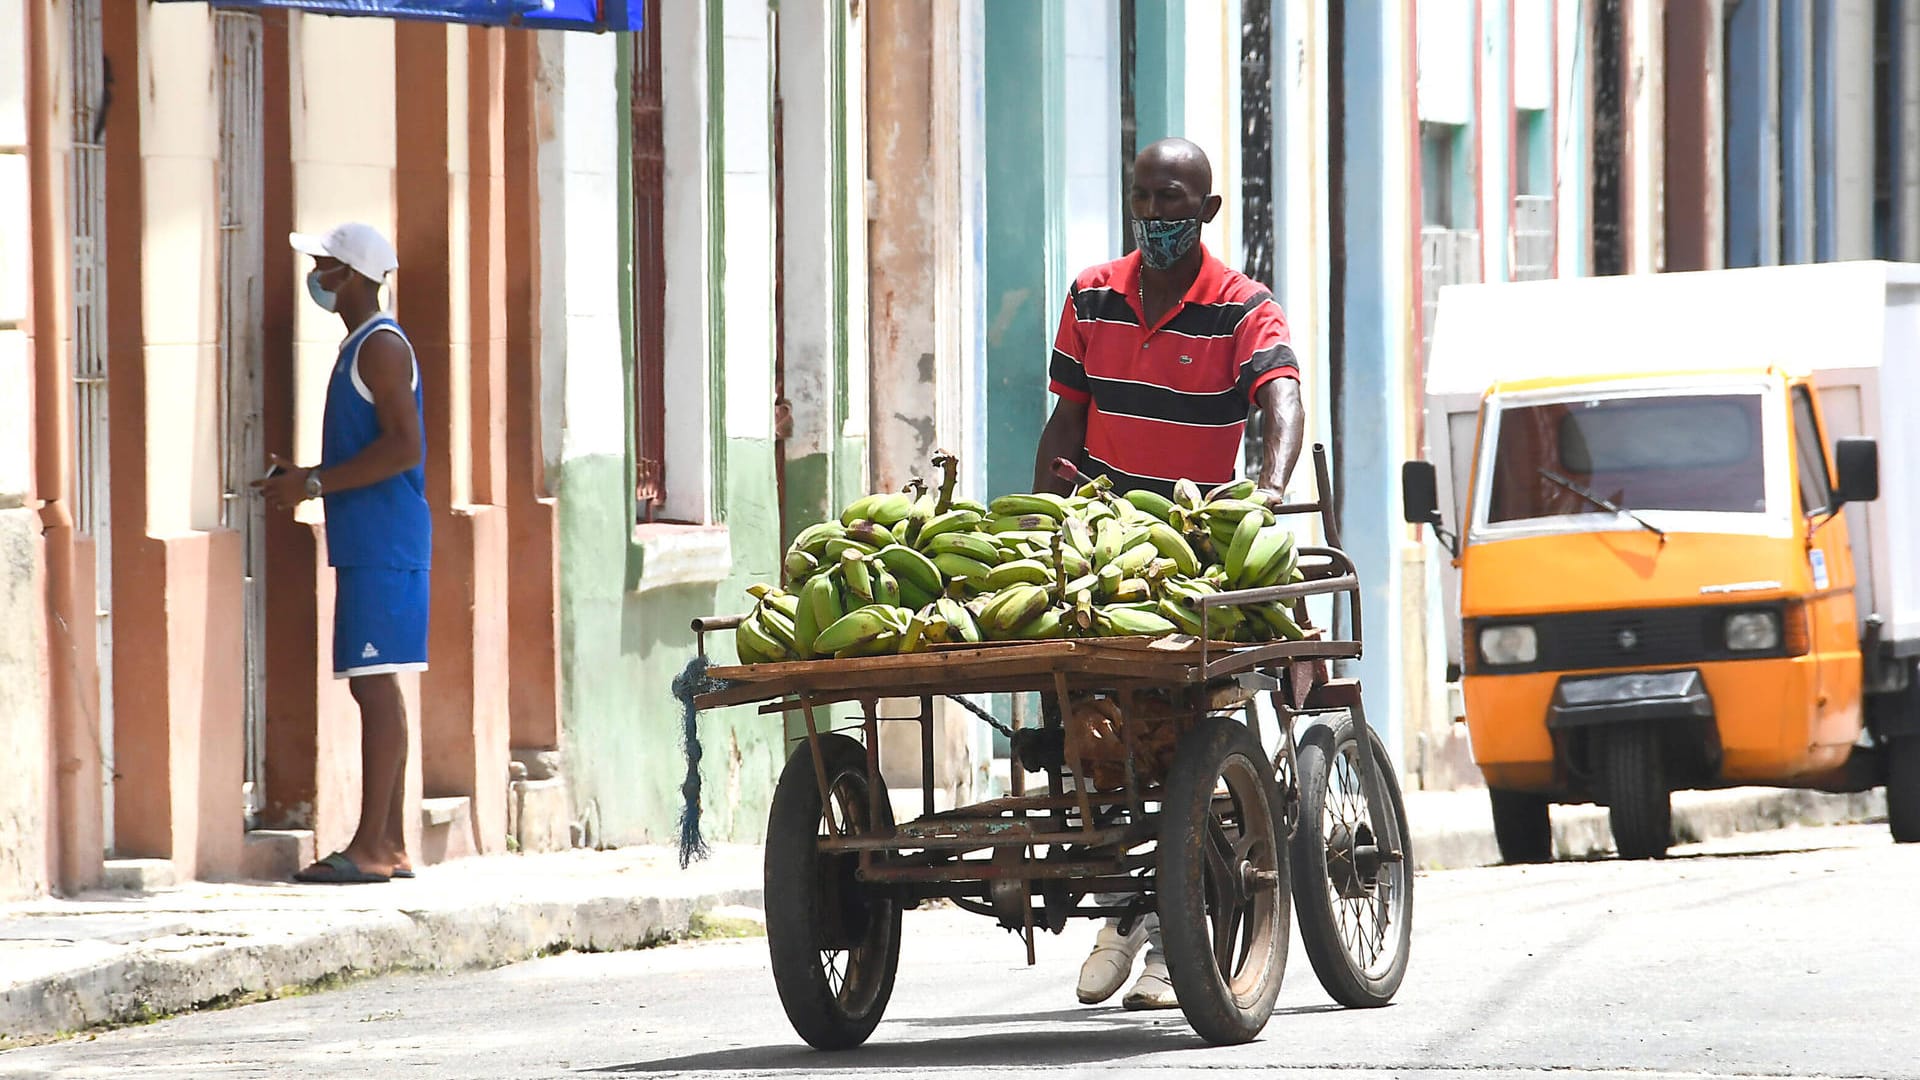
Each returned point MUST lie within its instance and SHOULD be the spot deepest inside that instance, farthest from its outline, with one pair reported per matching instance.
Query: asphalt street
(1792, 953)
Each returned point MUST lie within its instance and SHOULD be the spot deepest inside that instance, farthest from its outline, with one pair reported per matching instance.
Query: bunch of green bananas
(899, 571)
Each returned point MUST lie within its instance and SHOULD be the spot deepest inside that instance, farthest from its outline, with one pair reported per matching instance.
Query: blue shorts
(379, 621)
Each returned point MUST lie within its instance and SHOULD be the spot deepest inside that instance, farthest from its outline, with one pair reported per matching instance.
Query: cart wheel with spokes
(1222, 881)
(834, 941)
(1356, 908)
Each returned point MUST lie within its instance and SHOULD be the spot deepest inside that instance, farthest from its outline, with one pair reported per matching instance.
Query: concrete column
(1694, 172)
(1849, 108)
(901, 243)
(1644, 91)
(1797, 123)
(1494, 137)
(1906, 195)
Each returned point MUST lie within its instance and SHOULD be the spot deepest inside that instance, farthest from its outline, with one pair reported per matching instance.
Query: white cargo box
(1854, 326)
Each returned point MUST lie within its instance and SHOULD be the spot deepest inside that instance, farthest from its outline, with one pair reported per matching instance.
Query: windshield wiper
(1609, 507)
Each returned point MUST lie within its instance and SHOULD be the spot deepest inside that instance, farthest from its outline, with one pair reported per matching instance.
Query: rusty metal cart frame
(1222, 831)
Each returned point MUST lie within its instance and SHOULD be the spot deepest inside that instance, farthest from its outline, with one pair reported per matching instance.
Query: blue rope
(692, 681)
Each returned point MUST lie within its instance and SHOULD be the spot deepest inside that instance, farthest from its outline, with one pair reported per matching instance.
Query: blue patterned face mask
(1163, 243)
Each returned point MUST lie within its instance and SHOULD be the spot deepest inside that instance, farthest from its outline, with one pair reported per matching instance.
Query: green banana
(1235, 509)
(858, 627)
(1279, 620)
(1012, 608)
(1152, 502)
(909, 530)
(1181, 616)
(1134, 558)
(974, 505)
(859, 576)
(799, 566)
(916, 637)
(914, 596)
(911, 567)
(813, 539)
(884, 507)
(1020, 503)
(976, 546)
(886, 587)
(1266, 559)
(1242, 488)
(1048, 624)
(1019, 572)
(806, 619)
(973, 571)
(777, 626)
(887, 641)
(1187, 494)
(1131, 622)
(1108, 579)
(1132, 591)
(941, 524)
(755, 645)
(1241, 546)
(823, 601)
(871, 533)
(837, 549)
(1167, 541)
(960, 622)
(1040, 523)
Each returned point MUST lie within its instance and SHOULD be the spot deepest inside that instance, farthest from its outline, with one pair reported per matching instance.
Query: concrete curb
(1581, 832)
(155, 980)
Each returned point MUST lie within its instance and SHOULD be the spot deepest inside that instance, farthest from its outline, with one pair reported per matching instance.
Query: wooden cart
(1216, 836)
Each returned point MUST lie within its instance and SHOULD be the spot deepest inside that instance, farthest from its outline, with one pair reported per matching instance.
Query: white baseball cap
(359, 246)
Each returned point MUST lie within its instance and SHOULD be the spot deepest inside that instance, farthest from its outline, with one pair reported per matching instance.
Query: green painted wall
(1159, 69)
(621, 649)
(1019, 321)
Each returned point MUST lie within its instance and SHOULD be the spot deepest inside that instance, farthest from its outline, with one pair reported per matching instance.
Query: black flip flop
(337, 869)
(403, 873)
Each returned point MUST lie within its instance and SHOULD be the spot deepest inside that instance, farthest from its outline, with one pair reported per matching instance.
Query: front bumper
(1584, 701)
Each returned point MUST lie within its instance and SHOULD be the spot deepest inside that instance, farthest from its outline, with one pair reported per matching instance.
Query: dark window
(649, 271)
(1436, 174)
(1693, 452)
(1816, 492)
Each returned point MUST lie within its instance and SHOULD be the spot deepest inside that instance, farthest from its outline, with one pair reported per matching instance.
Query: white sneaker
(1111, 961)
(1152, 990)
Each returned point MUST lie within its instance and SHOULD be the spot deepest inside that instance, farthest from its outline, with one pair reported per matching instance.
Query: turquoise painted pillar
(1367, 468)
(1019, 322)
(1826, 211)
(1160, 45)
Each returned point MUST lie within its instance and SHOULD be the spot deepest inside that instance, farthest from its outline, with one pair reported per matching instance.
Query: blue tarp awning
(533, 14)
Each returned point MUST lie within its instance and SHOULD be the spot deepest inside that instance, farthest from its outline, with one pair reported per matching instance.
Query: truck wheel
(1903, 789)
(1521, 826)
(834, 942)
(1221, 881)
(1633, 779)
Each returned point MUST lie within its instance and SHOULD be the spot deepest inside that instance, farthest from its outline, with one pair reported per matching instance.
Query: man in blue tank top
(379, 531)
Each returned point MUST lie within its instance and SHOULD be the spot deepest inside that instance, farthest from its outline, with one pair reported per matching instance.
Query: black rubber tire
(1200, 856)
(1336, 898)
(810, 896)
(1903, 788)
(1633, 780)
(1521, 826)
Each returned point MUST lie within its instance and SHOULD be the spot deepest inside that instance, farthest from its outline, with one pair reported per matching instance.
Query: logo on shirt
(1186, 359)
(369, 653)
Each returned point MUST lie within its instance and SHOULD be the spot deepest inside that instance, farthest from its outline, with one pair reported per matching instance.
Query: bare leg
(397, 812)
(383, 759)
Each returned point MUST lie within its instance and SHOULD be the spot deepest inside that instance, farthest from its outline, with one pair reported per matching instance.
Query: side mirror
(1420, 493)
(1857, 461)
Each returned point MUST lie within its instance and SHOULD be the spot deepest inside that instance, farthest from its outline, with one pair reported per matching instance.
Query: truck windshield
(1693, 452)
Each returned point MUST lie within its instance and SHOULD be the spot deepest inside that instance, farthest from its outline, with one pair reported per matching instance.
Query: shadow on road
(1119, 1035)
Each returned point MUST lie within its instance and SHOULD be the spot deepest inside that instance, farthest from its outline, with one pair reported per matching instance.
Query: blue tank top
(386, 524)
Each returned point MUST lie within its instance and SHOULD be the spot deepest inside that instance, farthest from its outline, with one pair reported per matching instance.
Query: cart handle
(1348, 582)
(704, 624)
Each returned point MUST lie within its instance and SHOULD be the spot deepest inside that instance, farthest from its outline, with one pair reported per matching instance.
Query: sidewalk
(114, 957)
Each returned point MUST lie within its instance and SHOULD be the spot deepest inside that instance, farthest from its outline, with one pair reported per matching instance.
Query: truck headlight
(1753, 631)
(1507, 645)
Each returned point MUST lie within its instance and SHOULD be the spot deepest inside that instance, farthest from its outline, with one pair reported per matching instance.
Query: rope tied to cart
(692, 681)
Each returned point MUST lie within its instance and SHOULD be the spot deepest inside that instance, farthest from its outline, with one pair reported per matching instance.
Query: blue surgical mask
(1163, 243)
(327, 299)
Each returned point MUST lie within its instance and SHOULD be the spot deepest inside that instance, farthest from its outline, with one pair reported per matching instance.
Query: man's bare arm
(1283, 433)
(1064, 437)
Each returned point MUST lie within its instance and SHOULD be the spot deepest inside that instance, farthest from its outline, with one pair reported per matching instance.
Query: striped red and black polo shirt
(1170, 401)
